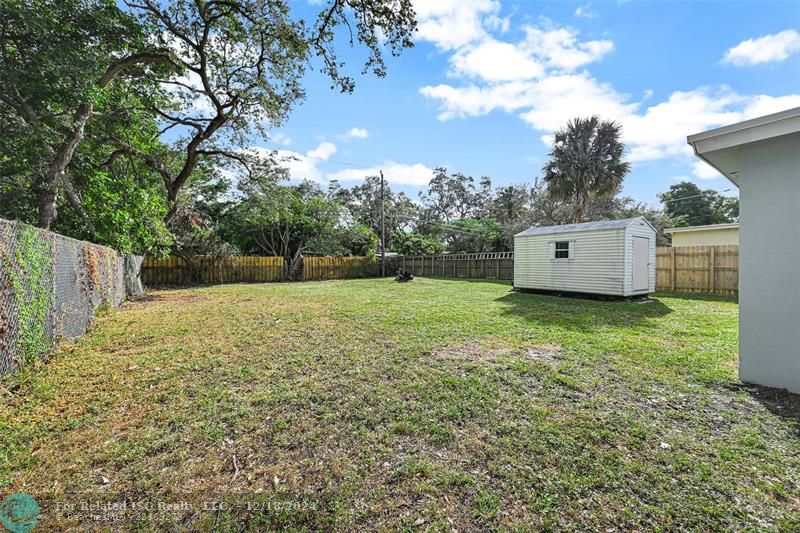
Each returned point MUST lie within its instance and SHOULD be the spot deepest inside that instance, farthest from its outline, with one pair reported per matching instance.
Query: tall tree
(510, 203)
(585, 162)
(213, 73)
(688, 205)
(242, 63)
(56, 60)
(452, 196)
(287, 221)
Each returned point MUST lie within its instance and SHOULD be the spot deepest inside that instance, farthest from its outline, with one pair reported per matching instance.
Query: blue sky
(489, 80)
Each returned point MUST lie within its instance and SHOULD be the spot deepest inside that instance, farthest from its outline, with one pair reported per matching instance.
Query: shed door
(641, 266)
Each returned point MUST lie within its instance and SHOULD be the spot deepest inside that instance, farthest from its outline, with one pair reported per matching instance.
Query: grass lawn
(437, 404)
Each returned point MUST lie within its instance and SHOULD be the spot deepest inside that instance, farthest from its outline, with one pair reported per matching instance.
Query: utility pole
(383, 233)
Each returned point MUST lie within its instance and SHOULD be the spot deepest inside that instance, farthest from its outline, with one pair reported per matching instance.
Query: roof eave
(719, 147)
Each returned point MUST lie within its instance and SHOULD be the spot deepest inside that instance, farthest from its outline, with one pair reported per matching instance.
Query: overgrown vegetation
(28, 269)
(458, 405)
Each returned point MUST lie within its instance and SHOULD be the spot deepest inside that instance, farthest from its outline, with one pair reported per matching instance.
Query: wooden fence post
(498, 267)
(674, 273)
(712, 269)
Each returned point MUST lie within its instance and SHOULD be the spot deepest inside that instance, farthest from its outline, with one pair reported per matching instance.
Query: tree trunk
(48, 195)
(172, 202)
(77, 205)
(579, 208)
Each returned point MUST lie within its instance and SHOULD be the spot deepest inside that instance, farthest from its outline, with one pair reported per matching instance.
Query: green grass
(436, 405)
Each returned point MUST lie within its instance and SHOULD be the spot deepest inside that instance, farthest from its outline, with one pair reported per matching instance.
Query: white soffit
(719, 147)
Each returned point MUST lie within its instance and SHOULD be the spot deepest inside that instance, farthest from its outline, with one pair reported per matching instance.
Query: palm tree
(586, 160)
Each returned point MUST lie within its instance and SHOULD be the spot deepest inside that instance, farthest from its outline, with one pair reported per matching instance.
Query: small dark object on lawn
(403, 276)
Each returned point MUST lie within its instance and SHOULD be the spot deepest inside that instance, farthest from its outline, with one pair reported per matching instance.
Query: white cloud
(450, 24)
(304, 166)
(542, 49)
(560, 47)
(650, 133)
(324, 151)
(554, 100)
(357, 133)
(187, 88)
(704, 171)
(585, 11)
(494, 60)
(765, 49)
(395, 173)
(299, 166)
(310, 166)
(546, 104)
(495, 23)
(661, 129)
(764, 105)
(543, 79)
(281, 139)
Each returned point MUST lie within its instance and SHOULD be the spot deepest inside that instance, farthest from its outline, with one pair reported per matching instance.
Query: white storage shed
(613, 257)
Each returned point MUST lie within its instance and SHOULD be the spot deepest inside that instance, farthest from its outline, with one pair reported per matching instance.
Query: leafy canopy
(585, 161)
(689, 205)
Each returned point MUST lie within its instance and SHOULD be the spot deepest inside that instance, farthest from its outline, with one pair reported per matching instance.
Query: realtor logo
(19, 513)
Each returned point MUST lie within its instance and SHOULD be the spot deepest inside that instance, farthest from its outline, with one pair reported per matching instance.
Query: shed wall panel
(597, 266)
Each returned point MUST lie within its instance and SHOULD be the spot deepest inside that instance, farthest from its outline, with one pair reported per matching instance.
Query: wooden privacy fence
(253, 269)
(713, 269)
(340, 267)
(492, 265)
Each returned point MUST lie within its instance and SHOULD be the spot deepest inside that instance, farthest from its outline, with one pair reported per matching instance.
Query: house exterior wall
(769, 248)
(639, 230)
(597, 267)
(706, 237)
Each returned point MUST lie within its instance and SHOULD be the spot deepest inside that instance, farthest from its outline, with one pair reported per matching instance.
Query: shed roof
(585, 226)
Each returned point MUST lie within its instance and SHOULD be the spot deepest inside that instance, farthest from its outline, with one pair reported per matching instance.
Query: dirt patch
(490, 350)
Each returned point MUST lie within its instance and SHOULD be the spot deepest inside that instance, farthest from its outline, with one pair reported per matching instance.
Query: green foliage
(127, 215)
(476, 235)
(364, 205)
(356, 239)
(455, 196)
(245, 59)
(55, 52)
(414, 243)
(29, 271)
(585, 161)
(688, 205)
(289, 221)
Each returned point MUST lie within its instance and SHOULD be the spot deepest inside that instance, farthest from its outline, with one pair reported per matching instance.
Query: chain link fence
(51, 286)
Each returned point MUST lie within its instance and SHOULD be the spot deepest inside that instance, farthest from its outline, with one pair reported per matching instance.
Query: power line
(682, 198)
